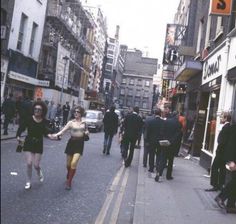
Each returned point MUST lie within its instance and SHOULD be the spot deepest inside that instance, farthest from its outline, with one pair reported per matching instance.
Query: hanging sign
(220, 7)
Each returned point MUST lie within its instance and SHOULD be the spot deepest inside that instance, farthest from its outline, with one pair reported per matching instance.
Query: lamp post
(62, 85)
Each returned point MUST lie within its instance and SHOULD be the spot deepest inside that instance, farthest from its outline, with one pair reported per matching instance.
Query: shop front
(4, 66)
(212, 101)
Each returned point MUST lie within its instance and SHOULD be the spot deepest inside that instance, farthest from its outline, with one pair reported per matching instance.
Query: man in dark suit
(218, 170)
(171, 131)
(132, 126)
(229, 191)
(110, 122)
(153, 135)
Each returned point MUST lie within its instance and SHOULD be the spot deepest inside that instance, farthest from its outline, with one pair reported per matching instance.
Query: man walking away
(9, 110)
(66, 110)
(218, 170)
(153, 135)
(132, 126)
(110, 122)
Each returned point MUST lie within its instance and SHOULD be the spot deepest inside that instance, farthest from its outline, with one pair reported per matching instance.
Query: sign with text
(62, 72)
(214, 66)
(220, 7)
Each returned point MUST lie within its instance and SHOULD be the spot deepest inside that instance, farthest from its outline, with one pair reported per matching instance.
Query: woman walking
(75, 145)
(33, 146)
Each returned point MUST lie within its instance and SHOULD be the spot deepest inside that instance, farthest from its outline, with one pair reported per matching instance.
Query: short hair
(136, 109)
(112, 108)
(227, 116)
(81, 109)
(43, 105)
(157, 112)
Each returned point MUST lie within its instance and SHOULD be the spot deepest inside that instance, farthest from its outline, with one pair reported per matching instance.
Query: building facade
(137, 82)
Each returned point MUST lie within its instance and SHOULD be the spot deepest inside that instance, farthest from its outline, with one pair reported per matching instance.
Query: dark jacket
(133, 124)
(154, 129)
(230, 147)
(9, 108)
(172, 130)
(223, 138)
(110, 122)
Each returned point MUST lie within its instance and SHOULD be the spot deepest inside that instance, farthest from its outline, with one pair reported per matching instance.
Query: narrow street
(103, 191)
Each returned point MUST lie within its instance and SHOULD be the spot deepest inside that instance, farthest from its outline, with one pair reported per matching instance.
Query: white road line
(102, 214)
(115, 212)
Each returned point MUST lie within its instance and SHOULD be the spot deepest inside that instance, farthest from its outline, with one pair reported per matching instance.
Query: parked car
(94, 120)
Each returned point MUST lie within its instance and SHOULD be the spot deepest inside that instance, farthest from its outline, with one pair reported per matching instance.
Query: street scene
(118, 111)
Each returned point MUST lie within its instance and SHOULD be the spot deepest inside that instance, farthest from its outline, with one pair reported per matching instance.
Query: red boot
(71, 175)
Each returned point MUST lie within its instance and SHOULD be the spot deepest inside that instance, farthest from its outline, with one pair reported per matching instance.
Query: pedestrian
(36, 126)
(75, 146)
(146, 145)
(110, 122)
(153, 134)
(132, 126)
(9, 111)
(140, 134)
(170, 132)
(218, 170)
(229, 191)
(24, 110)
(66, 110)
(52, 109)
(182, 121)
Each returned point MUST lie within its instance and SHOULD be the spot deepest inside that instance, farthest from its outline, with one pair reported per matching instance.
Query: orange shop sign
(220, 7)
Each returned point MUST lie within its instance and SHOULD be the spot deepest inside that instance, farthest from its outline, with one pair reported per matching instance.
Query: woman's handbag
(164, 143)
(20, 147)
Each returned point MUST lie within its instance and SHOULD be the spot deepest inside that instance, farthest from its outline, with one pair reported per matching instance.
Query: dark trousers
(178, 144)
(218, 171)
(107, 142)
(129, 144)
(229, 191)
(152, 154)
(145, 153)
(65, 118)
(7, 121)
(165, 155)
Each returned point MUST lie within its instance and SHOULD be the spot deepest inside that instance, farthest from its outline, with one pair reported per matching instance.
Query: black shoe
(127, 164)
(104, 151)
(220, 202)
(157, 178)
(151, 171)
(108, 153)
(144, 165)
(212, 189)
(169, 178)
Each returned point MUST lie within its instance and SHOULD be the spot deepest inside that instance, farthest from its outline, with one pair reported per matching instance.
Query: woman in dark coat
(36, 126)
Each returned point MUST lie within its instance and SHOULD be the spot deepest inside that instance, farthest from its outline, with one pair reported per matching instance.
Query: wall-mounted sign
(167, 74)
(27, 79)
(220, 7)
(214, 66)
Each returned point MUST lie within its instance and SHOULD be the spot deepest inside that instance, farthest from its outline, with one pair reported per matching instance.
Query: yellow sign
(221, 7)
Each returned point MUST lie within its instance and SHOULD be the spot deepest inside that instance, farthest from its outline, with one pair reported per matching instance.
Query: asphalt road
(103, 190)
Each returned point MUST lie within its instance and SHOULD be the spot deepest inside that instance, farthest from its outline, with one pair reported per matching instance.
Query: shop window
(211, 123)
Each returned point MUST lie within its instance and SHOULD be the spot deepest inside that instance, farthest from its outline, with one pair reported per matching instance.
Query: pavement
(181, 200)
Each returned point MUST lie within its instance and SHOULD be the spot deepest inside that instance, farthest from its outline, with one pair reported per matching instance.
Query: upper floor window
(122, 91)
(147, 83)
(139, 82)
(144, 105)
(131, 82)
(21, 31)
(123, 81)
(32, 39)
(130, 92)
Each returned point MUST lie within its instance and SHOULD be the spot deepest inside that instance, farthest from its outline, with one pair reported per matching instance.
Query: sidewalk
(12, 129)
(181, 200)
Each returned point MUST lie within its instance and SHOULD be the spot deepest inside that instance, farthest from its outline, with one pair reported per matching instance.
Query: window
(110, 60)
(136, 103)
(147, 83)
(144, 105)
(130, 93)
(110, 52)
(145, 94)
(122, 91)
(21, 31)
(200, 34)
(32, 39)
(131, 82)
(139, 82)
(124, 81)
(138, 93)
(109, 67)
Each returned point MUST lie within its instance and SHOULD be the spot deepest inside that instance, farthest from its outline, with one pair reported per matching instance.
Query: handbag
(164, 143)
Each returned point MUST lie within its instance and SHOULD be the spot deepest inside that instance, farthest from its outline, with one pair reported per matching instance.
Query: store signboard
(27, 79)
(214, 66)
(232, 54)
(60, 67)
(220, 7)
(167, 74)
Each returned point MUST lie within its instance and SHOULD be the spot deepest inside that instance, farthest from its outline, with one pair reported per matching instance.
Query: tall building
(137, 82)
(22, 27)
(66, 53)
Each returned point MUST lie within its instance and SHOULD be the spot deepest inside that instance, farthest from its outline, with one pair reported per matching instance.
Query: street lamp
(64, 74)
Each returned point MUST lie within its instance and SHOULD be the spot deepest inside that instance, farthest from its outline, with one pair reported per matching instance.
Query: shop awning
(189, 69)
(232, 74)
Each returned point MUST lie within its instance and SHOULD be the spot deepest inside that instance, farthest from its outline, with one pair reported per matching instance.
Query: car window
(91, 115)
